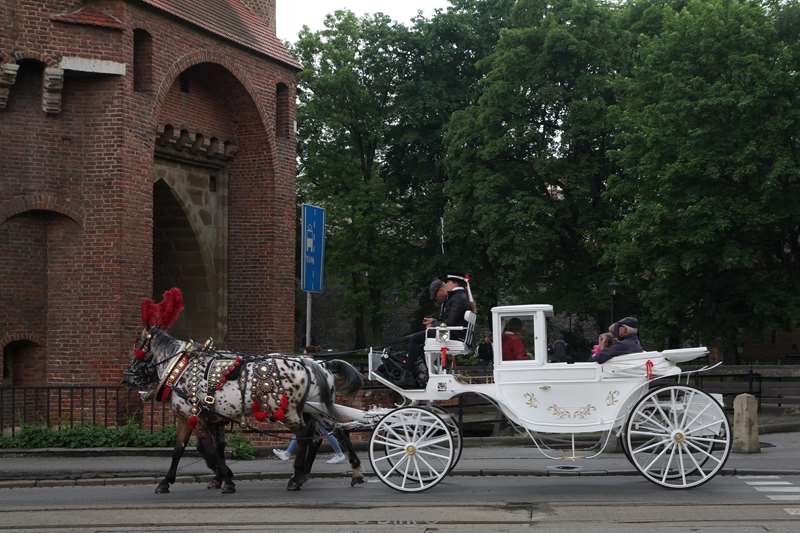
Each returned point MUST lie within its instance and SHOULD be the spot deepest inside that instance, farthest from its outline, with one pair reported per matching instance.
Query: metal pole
(308, 320)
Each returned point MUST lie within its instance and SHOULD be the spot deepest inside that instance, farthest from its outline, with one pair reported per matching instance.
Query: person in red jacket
(513, 345)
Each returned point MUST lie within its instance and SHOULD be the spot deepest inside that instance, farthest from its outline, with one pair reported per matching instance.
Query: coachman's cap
(629, 321)
(435, 286)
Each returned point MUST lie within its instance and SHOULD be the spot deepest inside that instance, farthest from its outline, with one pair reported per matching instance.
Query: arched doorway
(23, 364)
(178, 262)
(213, 159)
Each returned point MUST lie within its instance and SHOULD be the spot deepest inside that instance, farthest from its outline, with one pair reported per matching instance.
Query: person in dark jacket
(453, 296)
(626, 331)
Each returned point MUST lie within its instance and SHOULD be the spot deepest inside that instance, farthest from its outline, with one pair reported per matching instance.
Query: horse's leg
(304, 434)
(182, 438)
(224, 473)
(207, 449)
(355, 463)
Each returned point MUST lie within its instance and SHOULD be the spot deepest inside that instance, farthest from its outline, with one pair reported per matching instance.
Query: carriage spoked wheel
(678, 437)
(455, 431)
(411, 449)
(458, 443)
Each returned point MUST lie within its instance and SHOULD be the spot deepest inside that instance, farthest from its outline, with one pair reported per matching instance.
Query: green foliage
(240, 446)
(88, 436)
(528, 160)
(375, 97)
(707, 126)
(566, 143)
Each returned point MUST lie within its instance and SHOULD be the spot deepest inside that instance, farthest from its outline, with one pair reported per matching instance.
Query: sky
(293, 14)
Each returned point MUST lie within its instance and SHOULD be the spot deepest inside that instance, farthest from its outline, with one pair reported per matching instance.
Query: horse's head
(142, 373)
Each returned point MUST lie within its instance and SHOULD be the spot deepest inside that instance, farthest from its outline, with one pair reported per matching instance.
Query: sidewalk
(780, 454)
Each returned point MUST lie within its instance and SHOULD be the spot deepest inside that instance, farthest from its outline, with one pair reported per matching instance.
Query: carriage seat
(664, 363)
(454, 347)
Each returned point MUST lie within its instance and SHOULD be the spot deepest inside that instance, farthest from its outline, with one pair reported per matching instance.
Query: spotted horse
(207, 388)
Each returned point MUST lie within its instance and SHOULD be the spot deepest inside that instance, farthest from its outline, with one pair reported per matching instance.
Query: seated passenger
(513, 345)
(604, 340)
(626, 331)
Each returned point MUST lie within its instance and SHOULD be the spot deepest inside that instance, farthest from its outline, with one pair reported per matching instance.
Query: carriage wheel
(411, 449)
(455, 431)
(678, 437)
(644, 444)
(458, 443)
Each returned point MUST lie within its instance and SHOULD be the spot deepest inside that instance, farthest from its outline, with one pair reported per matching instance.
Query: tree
(348, 102)
(375, 99)
(707, 139)
(528, 161)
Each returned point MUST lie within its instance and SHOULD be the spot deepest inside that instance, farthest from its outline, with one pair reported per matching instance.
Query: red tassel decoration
(257, 412)
(280, 414)
(139, 354)
(192, 421)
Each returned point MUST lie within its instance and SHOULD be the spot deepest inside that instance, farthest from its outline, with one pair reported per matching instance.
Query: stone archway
(23, 363)
(212, 154)
(179, 261)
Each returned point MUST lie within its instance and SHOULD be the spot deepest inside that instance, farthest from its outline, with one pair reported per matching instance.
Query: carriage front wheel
(411, 449)
(678, 437)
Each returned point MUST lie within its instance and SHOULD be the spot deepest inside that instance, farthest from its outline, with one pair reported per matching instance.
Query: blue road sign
(312, 248)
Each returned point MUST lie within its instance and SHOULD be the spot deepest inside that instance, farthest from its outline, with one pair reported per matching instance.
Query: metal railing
(60, 406)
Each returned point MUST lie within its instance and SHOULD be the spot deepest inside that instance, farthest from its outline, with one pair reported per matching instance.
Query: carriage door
(542, 394)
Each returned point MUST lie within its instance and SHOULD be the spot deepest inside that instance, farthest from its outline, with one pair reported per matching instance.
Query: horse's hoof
(162, 489)
(356, 481)
(228, 488)
(294, 484)
(214, 484)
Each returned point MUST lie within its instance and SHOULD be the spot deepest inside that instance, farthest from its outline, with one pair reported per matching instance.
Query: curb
(148, 479)
(469, 442)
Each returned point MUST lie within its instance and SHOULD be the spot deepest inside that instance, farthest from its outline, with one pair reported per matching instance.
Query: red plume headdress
(164, 313)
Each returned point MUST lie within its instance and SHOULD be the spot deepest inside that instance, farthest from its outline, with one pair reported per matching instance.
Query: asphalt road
(727, 504)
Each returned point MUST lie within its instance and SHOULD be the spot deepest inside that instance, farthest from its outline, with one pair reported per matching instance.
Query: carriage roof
(529, 308)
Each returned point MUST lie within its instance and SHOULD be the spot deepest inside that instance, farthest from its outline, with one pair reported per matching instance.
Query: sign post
(312, 256)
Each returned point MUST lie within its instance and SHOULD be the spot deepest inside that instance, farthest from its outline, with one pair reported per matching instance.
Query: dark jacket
(629, 344)
(453, 309)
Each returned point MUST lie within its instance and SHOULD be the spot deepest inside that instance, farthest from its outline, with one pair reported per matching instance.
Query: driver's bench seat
(434, 344)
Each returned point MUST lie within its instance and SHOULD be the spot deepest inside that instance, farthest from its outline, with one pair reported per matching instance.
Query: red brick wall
(88, 267)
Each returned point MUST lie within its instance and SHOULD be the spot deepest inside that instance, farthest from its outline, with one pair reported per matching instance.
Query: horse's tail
(350, 376)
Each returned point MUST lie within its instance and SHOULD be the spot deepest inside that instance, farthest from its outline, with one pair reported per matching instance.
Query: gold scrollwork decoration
(559, 412)
(612, 398)
(584, 411)
(530, 400)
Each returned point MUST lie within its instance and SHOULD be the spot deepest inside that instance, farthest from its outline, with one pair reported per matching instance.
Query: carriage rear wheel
(678, 437)
(411, 449)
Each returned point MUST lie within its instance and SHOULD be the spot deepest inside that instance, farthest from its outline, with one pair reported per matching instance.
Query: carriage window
(517, 338)
(558, 349)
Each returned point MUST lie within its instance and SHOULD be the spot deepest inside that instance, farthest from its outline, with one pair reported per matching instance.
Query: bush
(129, 435)
(240, 447)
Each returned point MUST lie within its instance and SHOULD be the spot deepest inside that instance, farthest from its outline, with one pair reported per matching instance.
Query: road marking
(758, 477)
(777, 489)
(765, 483)
(784, 497)
(794, 511)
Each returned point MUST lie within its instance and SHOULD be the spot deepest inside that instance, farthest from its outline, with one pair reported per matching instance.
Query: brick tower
(146, 144)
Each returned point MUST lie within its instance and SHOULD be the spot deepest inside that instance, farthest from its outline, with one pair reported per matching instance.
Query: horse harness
(202, 363)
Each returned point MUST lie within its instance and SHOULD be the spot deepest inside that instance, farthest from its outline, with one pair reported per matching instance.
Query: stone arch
(240, 125)
(179, 260)
(209, 56)
(43, 201)
(23, 360)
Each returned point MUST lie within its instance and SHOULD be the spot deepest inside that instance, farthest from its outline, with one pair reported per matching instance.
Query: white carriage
(675, 435)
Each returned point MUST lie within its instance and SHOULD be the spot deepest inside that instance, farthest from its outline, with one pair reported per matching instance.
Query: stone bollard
(745, 424)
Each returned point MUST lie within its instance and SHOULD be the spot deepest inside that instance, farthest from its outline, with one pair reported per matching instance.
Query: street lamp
(612, 288)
